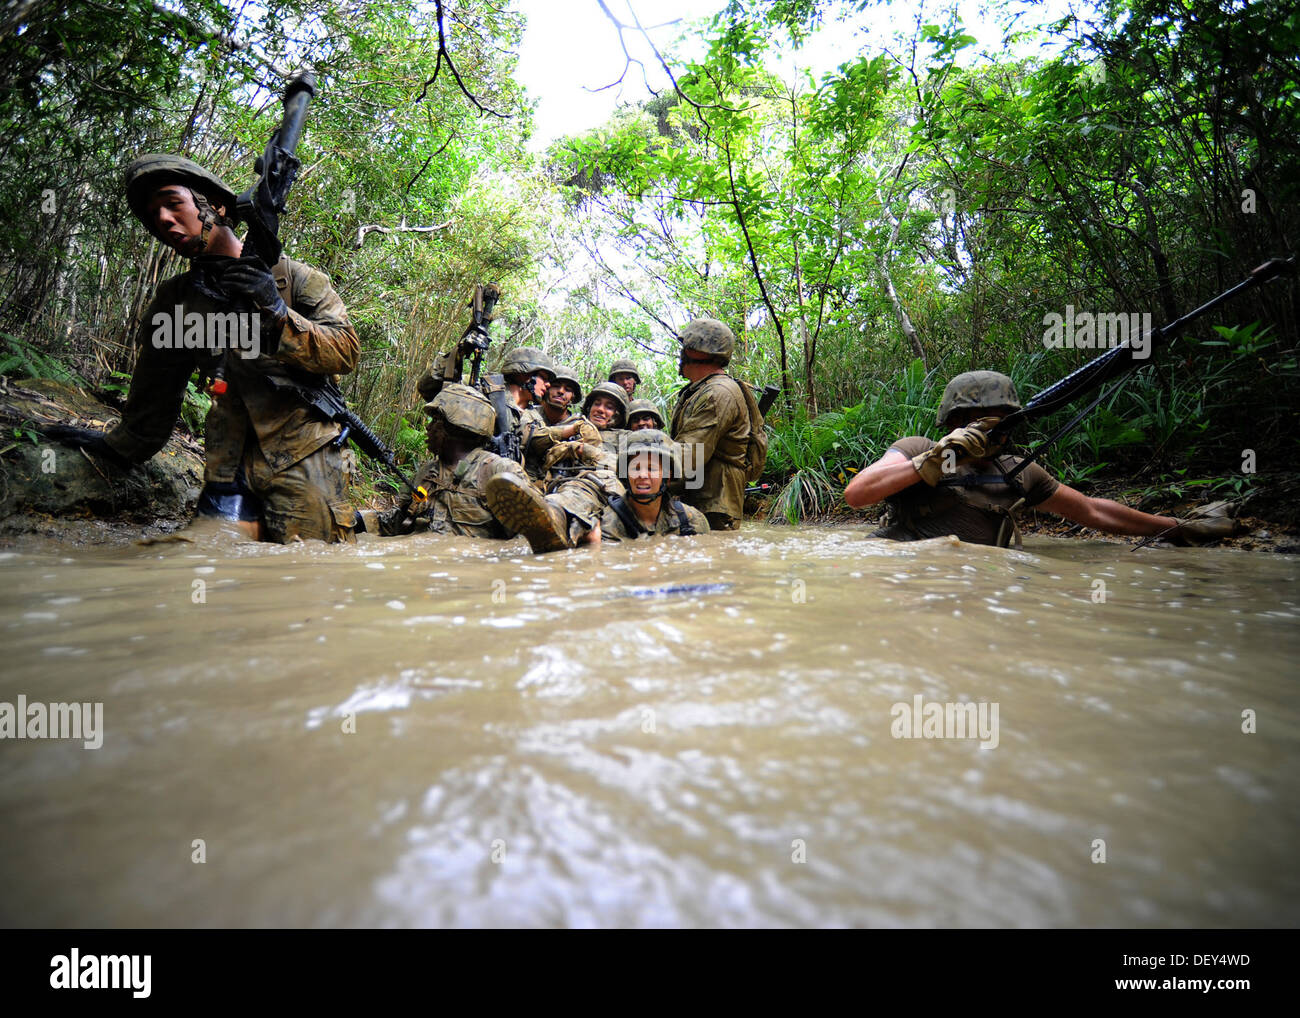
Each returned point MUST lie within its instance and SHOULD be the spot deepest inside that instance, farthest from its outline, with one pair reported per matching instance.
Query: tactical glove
(969, 443)
(86, 438)
(1203, 531)
(249, 279)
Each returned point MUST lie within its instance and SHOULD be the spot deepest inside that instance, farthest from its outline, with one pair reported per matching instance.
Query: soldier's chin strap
(647, 499)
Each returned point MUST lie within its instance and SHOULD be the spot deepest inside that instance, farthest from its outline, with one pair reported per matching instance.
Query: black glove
(250, 279)
(86, 438)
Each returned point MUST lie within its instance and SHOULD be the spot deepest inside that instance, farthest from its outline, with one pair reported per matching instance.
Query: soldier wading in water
(712, 422)
(652, 460)
(958, 485)
(271, 462)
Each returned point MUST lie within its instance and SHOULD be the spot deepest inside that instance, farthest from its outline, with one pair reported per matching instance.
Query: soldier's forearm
(322, 349)
(1116, 518)
(880, 480)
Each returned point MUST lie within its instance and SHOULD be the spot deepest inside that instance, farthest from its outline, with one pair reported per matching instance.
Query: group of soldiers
(592, 465)
(604, 473)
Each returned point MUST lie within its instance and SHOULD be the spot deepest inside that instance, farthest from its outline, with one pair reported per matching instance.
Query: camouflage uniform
(675, 517)
(979, 513)
(456, 502)
(269, 435)
(620, 521)
(711, 423)
(255, 436)
(974, 514)
(580, 478)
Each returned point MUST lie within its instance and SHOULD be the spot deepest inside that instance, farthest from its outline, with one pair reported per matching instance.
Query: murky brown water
(542, 741)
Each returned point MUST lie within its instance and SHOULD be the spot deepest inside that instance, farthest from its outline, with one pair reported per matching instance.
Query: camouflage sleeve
(439, 374)
(699, 427)
(157, 390)
(318, 336)
(697, 519)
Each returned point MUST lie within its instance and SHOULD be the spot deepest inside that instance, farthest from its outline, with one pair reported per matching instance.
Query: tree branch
(444, 53)
(365, 231)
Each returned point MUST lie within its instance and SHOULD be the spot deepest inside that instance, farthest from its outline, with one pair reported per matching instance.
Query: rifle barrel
(1112, 363)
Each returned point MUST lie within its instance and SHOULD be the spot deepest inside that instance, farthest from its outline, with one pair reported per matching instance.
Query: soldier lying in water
(475, 493)
(957, 485)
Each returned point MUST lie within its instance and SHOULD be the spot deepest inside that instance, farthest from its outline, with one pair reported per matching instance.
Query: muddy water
(434, 731)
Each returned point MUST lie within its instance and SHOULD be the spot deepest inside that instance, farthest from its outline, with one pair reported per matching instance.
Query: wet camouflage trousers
(308, 500)
(583, 495)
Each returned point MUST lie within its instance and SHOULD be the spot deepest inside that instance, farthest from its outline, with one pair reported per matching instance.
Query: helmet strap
(208, 216)
(647, 499)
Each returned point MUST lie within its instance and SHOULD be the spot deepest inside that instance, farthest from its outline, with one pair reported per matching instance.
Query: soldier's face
(603, 412)
(540, 384)
(560, 395)
(645, 474)
(627, 380)
(435, 433)
(641, 422)
(967, 415)
(693, 367)
(174, 218)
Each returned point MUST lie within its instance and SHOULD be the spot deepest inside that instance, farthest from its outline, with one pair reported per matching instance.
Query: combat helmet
(464, 408)
(527, 360)
(158, 169)
(708, 335)
(624, 366)
(652, 440)
(564, 373)
(644, 406)
(981, 390)
(616, 392)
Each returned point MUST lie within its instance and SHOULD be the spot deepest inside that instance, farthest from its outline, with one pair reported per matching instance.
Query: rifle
(765, 401)
(1115, 363)
(473, 343)
(259, 208)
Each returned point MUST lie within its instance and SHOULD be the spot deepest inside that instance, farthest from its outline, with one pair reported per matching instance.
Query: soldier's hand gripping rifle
(476, 340)
(260, 208)
(473, 343)
(1115, 363)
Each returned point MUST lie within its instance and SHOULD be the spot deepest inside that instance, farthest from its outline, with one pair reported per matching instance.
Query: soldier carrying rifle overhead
(272, 463)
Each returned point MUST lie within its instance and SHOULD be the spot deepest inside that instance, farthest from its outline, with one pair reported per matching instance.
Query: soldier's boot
(521, 508)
